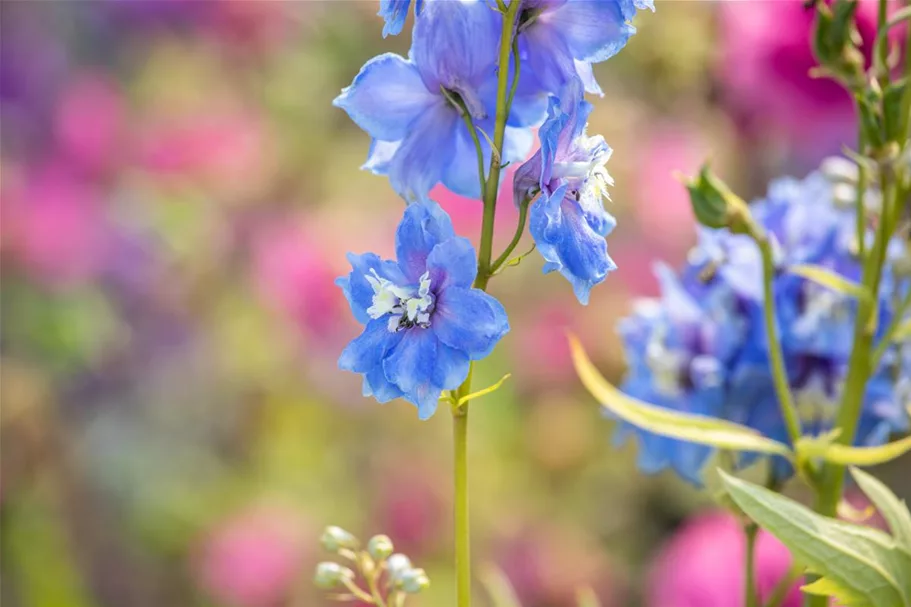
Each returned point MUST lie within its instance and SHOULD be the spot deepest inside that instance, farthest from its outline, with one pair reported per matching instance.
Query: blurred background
(178, 195)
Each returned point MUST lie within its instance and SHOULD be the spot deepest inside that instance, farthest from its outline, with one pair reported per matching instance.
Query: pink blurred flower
(293, 274)
(254, 558)
(703, 566)
(226, 147)
(662, 203)
(413, 511)
(547, 564)
(54, 225)
(766, 57)
(540, 348)
(89, 122)
(467, 213)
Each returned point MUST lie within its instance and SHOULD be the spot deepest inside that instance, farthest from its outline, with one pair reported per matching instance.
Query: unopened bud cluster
(384, 572)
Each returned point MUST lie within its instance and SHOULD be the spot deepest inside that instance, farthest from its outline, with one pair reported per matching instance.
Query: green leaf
(830, 280)
(498, 587)
(894, 510)
(690, 427)
(846, 455)
(483, 392)
(859, 565)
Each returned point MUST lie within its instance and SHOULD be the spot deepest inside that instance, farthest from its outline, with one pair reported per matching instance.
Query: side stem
(776, 358)
(752, 597)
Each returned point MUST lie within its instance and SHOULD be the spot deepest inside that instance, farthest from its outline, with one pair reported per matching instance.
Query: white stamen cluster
(406, 306)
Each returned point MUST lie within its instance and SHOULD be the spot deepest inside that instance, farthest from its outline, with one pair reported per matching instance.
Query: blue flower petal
(461, 174)
(587, 76)
(394, 13)
(570, 237)
(548, 58)
(411, 366)
(386, 97)
(357, 290)
(452, 263)
(451, 367)
(380, 156)
(470, 27)
(424, 226)
(469, 320)
(379, 387)
(367, 351)
(594, 30)
(429, 147)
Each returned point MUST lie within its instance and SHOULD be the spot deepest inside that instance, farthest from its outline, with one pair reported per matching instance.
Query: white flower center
(664, 363)
(406, 306)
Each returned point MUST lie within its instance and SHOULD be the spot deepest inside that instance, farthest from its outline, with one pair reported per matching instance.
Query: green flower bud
(330, 575)
(397, 565)
(414, 581)
(379, 547)
(835, 40)
(335, 539)
(716, 206)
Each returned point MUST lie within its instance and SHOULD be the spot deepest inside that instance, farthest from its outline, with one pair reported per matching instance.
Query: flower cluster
(434, 118)
(702, 347)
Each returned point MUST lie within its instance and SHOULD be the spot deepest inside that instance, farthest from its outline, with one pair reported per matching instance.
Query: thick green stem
(462, 530)
(752, 596)
(489, 190)
(776, 358)
(493, 174)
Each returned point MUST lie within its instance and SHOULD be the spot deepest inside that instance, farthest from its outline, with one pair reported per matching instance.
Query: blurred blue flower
(678, 357)
(407, 106)
(394, 13)
(561, 39)
(810, 221)
(424, 321)
(568, 220)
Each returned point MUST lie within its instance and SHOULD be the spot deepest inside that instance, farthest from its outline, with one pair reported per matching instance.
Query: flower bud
(379, 547)
(835, 39)
(414, 581)
(716, 206)
(397, 565)
(329, 575)
(335, 539)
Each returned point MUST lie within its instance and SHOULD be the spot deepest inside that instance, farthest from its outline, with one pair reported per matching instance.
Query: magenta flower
(253, 559)
(90, 122)
(703, 566)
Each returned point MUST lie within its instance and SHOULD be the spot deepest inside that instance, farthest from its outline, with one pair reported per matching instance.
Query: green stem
(883, 49)
(462, 531)
(472, 130)
(493, 174)
(489, 190)
(752, 597)
(860, 362)
(783, 587)
(894, 324)
(520, 230)
(776, 358)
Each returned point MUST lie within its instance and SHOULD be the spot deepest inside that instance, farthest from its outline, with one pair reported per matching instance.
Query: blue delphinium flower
(423, 320)
(561, 39)
(409, 106)
(394, 13)
(568, 220)
(678, 355)
(809, 221)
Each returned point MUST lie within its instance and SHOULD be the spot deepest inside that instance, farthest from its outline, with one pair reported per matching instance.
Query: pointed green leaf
(498, 587)
(484, 392)
(829, 279)
(894, 510)
(846, 455)
(674, 424)
(827, 587)
(862, 566)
